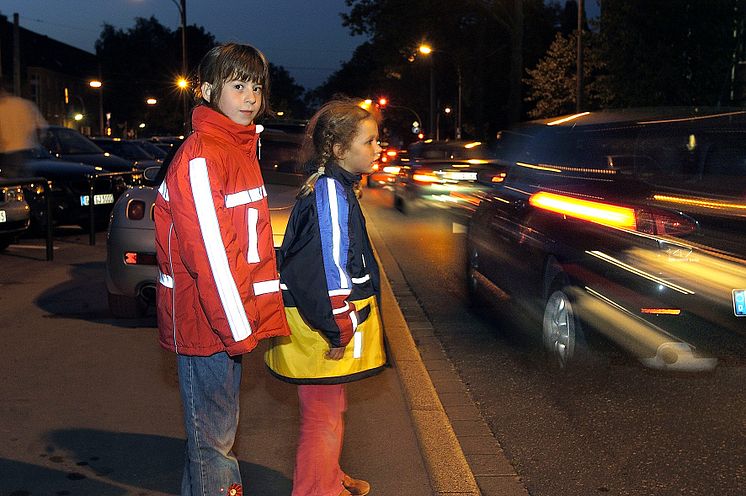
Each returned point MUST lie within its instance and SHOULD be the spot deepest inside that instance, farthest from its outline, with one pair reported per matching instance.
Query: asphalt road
(616, 429)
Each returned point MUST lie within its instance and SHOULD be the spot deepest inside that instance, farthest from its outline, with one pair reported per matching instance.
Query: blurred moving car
(133, 151)
(14, 214)
(131, 271)
(447, 174)
(70, 189)
(628, 226)
(387, 168)
(69, 144)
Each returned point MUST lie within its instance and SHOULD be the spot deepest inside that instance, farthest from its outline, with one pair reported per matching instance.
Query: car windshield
(68, 141)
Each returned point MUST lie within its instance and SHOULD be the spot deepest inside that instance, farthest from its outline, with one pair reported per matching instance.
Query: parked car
(68, 144)
(158, 152)
(131, 271)
(14, 214)
(448, 174)
(130, 150)
(627, 226)
(70, 189)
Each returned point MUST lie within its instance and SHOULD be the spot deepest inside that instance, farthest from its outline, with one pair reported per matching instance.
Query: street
(618, 429)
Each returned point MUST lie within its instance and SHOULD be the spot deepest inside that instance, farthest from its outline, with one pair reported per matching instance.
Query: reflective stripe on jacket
(218, 285)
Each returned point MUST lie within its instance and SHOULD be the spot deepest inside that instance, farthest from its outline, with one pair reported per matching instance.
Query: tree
(145, 61)
(469, 34)
(551, 82)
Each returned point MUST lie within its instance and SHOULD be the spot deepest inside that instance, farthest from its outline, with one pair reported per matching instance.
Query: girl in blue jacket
(331, 287)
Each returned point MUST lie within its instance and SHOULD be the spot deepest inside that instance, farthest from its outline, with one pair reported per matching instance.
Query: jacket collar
(208, 121)
(346, 178)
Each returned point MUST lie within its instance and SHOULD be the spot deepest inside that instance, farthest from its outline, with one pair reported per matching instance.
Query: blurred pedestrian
(219, 290)
(20, 125)
(333, 286)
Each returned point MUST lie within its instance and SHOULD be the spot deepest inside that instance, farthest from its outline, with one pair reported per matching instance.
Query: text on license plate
(3, 217)
(97, 199)
(461, 176)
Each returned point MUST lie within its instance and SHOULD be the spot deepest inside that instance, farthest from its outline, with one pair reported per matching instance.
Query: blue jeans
(209, 393)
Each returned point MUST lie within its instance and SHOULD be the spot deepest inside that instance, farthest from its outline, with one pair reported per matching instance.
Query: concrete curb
(441, 451)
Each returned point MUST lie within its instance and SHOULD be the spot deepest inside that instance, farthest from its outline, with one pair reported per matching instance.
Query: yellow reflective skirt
(301, 357)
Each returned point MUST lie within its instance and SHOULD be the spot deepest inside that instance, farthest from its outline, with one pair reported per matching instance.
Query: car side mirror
(151, 173)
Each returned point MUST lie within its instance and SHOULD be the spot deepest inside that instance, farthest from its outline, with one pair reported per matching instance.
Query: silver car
(131, 271)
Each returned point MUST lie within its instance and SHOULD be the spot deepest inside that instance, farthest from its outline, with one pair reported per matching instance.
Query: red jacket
(218, 288)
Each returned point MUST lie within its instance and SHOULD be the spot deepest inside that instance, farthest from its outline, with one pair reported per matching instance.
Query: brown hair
(335, 123)
(228, 62)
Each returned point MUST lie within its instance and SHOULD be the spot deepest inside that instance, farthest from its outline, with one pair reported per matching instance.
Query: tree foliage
(552, 82)
(145, 61)
(470, 35)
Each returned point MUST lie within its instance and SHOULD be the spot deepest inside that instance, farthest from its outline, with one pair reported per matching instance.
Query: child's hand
(335, 353)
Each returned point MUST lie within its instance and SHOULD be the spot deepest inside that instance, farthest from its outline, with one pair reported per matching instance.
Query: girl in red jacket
(219, 290)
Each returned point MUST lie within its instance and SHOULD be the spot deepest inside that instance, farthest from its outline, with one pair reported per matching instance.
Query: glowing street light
(78, 117)
(425, 49)
(151, 101)
(97, 84)
(182, 83)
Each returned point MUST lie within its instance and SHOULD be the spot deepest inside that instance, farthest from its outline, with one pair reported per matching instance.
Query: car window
(70, 141)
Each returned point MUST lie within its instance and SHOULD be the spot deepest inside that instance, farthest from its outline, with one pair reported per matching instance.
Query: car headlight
(13, 193)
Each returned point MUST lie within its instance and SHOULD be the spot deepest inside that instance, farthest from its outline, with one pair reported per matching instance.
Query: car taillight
(136, 210)
(391, 169)
(601, 213)
(425, 176)
(658, 222)
(664, 223)
(137, 258)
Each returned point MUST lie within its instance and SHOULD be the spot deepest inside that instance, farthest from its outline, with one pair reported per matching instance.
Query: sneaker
(356, 487)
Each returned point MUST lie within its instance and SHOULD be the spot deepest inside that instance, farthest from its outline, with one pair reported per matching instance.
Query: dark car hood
(59, 169)
(111, 163)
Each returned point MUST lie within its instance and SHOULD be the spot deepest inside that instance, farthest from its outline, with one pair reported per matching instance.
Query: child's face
(240, 101)
(364, 149)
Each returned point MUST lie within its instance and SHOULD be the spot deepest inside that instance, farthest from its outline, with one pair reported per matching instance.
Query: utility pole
(16, 56)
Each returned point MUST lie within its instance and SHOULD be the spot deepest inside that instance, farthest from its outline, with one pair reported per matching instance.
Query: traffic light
(382, 102)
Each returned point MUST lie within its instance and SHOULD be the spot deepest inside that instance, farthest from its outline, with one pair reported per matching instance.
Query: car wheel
(126, 307)
(562, 332)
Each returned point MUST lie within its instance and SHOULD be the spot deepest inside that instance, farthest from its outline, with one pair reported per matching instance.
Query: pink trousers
(317, 471)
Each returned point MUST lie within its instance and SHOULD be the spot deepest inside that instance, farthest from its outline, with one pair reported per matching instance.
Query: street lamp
(428, 50)
(96, 84)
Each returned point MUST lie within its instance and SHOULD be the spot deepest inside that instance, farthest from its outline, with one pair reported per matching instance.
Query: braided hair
(335, 123)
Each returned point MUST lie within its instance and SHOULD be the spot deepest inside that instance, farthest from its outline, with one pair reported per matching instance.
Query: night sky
(304, 36)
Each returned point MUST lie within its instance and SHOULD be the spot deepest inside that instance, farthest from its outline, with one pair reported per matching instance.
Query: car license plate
(97, 199)
(461, 176)
(739, 302)
(3, 217)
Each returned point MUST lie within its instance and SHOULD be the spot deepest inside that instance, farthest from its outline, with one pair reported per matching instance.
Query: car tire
(126, 307)
(564, 343)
